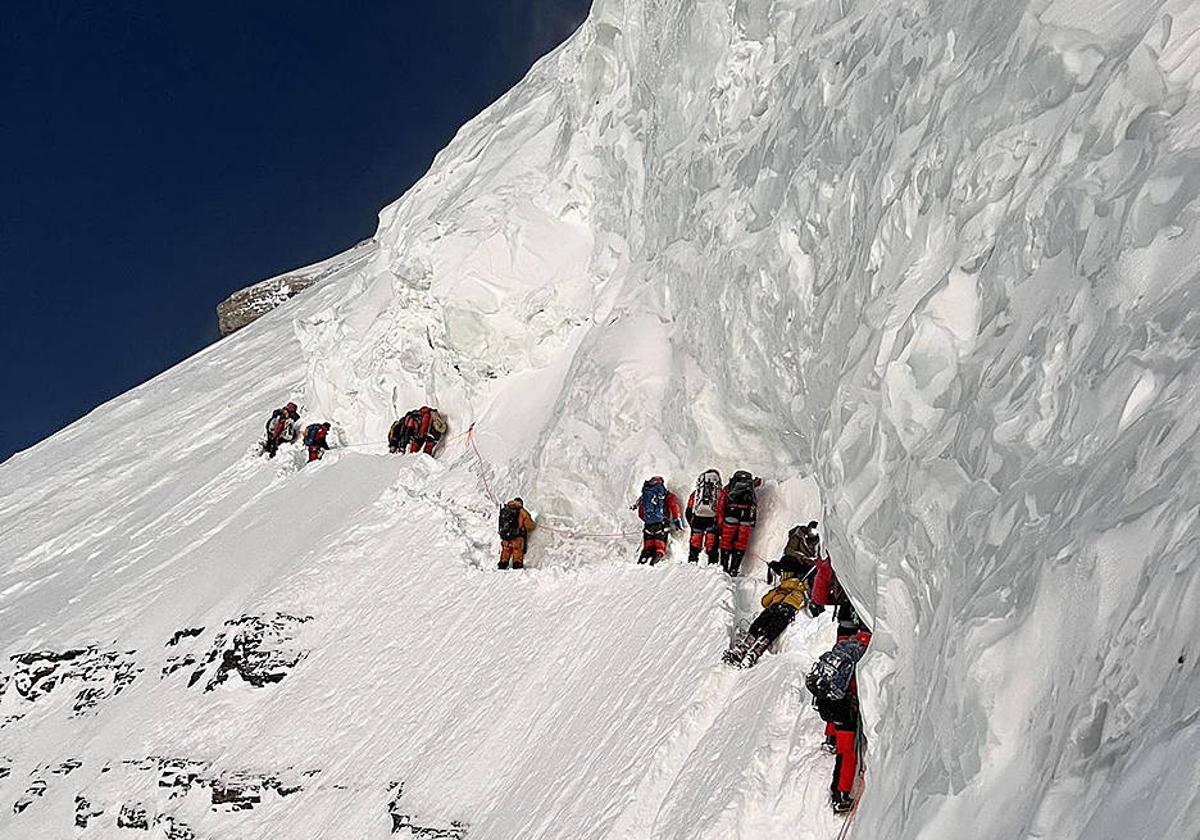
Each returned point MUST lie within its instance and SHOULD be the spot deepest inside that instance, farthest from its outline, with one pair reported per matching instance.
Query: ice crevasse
(940, 255)
(929, 267)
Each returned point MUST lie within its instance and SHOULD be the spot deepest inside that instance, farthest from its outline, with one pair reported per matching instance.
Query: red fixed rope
(488, 489)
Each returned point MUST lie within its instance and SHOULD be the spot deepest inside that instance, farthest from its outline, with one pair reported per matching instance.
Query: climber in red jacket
(737, 513)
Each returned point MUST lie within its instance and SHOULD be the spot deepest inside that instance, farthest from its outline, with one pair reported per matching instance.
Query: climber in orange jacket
(515, 525)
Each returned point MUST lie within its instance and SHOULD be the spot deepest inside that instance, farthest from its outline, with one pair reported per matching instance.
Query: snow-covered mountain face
(927, 267)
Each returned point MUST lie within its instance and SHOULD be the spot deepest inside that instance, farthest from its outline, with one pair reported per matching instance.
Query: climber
(701, 516)
(827, 591)
(737, 511)
(410, 429)
(658, 508)
(515, 525)
(433, 427)
(780, 606)
(799, 555)
(281, 428)
(425, 428)
(316, 439)
(399, 434)
(834, 687)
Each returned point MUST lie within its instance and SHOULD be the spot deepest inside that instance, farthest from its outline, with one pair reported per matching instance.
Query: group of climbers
(808, 582)
(721, 518)
(281, 429)
(420, 430)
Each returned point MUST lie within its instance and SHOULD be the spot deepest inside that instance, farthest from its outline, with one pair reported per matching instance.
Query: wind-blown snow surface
(937, 259)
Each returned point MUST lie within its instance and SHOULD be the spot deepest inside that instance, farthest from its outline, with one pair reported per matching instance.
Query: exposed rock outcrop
(251, 303)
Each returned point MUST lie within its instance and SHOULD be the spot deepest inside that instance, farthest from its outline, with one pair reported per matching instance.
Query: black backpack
(829, 679)
(741, 492)
(510, 522)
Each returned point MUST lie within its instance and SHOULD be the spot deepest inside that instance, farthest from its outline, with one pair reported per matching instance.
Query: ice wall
(943, 253)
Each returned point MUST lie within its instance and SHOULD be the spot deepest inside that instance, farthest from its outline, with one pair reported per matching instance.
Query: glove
(815, 610)
(677, 523)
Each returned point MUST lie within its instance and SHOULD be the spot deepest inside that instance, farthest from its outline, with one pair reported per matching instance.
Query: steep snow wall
(942, 254)
(928, 267)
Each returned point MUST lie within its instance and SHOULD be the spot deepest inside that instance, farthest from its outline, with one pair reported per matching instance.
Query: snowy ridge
(928, 267)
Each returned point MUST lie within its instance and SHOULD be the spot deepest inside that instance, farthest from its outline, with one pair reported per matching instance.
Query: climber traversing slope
(419, 430)
(834, 688)
(514, 527)
(658, 508)
(701, 515)
(281, 428)
(737, 513)
(316, 438)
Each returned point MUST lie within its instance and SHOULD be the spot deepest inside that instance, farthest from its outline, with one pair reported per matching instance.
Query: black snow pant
(772, 621)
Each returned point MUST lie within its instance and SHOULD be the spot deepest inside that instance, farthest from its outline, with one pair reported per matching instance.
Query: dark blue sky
(159, 155)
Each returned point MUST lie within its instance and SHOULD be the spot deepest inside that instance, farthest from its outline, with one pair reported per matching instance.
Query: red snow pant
(654, 543)
(735, 535)
(845, 765)
(314, 453)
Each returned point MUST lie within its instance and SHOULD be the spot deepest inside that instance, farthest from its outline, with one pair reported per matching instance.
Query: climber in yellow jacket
(780, 606)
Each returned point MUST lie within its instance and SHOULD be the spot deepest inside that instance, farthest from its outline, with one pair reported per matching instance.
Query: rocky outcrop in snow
(249, 304)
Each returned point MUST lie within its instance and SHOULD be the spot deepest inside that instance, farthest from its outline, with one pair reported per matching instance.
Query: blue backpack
(654, 503)
(829, 679)
(310, 434)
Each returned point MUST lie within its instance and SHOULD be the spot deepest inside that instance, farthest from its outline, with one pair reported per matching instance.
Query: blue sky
(158, 156)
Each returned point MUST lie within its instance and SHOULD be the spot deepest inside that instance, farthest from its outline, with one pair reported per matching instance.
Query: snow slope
(928, 267)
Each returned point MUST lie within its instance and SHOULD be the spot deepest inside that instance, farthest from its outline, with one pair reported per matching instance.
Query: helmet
(655, 479)
(519, 500)
(291, 407)
(740, 475)
(326, 425)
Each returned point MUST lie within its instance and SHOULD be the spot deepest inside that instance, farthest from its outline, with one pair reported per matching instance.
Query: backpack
(277, 424)
(310, 434)
(829, 679)
(654, 503)
(741, 492)
(510, 522)
(708, 488)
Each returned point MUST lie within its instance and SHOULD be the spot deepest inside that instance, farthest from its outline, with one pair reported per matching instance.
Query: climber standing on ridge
(658, 508)
(701, 516)
(316, 438)
(737, 513)
(515, 525)
(780, 606)
(799, 555)
(834, 688)
(281, 428)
